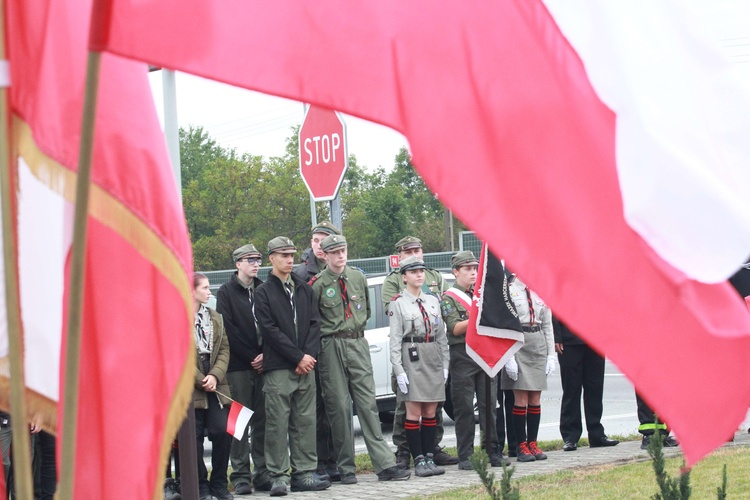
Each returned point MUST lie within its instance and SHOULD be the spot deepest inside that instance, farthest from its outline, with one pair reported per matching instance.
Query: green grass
(634, 480)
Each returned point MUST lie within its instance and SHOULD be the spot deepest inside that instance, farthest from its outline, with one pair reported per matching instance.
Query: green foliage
(505, 490)
(671, 489)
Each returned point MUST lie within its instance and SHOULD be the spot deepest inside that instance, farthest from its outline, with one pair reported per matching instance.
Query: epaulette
(313, 279)
(393, 272)
(396, 296)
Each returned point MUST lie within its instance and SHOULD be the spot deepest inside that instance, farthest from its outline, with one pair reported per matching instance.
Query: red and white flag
(239, 418)
(612, 201)
(137, 360)
(494, 333)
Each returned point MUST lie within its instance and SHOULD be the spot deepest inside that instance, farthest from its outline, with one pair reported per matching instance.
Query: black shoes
(403, 460)
(278, 488)
(534, 449)
(172, 490)
(570, 446)
(309, 483)
(496, 458)
(222, 493)
(243, 489)
(442, 458)
(393, 474)
(668, 442)
(348, 478)
(603, 441)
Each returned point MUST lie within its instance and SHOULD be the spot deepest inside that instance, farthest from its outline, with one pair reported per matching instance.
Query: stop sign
(322, 152)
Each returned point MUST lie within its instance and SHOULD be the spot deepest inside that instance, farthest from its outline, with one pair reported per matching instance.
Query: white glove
(550, 365)
(445, 374)
(511, 369)
(403, 383)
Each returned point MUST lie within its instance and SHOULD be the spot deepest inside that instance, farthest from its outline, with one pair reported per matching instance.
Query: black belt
(348, 334)
(409, 340)
(531, 329)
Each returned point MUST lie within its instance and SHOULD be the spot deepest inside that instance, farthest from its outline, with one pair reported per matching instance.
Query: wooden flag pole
(24, 485)
(77, 279)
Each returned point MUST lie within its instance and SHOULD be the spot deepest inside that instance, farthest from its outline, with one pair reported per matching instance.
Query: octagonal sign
(322, 152)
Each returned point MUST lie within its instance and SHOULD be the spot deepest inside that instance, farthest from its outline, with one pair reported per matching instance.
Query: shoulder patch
(445, 307)
(313, 279)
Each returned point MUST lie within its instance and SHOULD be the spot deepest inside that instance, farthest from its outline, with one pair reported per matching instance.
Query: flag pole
(77, 279)
(19, 419)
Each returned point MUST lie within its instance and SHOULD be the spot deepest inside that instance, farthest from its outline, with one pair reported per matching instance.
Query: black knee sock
(413, 437)
(429, 426)
(519, 423)
(533, 418)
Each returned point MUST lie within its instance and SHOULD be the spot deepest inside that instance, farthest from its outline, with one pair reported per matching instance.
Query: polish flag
(239, 418)
(600, 148)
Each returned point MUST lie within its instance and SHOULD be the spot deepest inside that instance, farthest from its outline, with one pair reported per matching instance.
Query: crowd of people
(293, 350)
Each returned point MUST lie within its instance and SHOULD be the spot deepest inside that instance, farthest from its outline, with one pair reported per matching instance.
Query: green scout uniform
(344, 366)
(467, 377)
(392, 286)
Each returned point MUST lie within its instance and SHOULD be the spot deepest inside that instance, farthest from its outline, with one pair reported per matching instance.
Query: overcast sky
(260, 124)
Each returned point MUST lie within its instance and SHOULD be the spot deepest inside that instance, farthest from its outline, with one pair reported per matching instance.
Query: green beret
(248, 250)
(326, 227)
(332, 242)
(411, 263)
(281, 244)
(464, 258)
(408, 242)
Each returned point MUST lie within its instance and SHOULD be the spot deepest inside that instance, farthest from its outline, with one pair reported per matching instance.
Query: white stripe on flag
(239, 417)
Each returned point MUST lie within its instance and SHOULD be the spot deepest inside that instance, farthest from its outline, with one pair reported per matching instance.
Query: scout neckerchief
(204, 330)
(532, 319)
(345, 298)
(425, 319)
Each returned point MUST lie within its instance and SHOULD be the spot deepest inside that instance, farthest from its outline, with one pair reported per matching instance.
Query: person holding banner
(419, 355)
(211, 410)
(467, 377)
(526, 373)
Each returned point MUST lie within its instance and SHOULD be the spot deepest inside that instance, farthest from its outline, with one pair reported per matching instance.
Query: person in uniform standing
(419, 356)
(235, 301)
(290, 327)
(650, 425)
(344, 364)
(581, 371)
(211, 410)
(434, 283)
(314, 261)
(526, 373)
(467, 377)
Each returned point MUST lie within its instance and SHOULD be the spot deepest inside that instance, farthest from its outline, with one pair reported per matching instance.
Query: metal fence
(370, 266)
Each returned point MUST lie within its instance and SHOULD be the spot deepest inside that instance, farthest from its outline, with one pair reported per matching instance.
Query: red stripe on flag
(239, 418)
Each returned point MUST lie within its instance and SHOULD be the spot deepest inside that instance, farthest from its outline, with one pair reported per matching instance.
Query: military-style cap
(411, 263)
(248, 250)
(326, 227)
(408, 242)
(464, 258)
(281, 244)
(332, 242)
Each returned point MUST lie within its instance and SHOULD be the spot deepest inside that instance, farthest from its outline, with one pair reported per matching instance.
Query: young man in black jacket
(235, 301)
(289, 325)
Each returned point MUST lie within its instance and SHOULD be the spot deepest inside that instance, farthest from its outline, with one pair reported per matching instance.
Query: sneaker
(497, 459)
(645, 442)
(278, 488)
(172, 490)
(265, 486)
(204, 493)
(222, 493)
(442, 458)
(333, 472)
(322, 475)
(309, 482)
(524, 454)
(403, 460)
(243, 489)
(394, 473)
(512, 453)
(436, 471)
(420, 467)
(534, 449)
(465, 465)
(348, 478)
(670, 442)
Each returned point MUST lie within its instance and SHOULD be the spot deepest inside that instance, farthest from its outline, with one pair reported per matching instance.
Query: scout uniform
(345, 367)
(467, 377)
(392, 286)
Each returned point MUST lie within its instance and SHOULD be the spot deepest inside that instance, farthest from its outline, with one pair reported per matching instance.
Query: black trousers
(504, 418)
(647, 419)
(213, 422)
(581, 371)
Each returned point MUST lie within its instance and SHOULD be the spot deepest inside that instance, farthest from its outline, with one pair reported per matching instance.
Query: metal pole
(336, 211)
(171, 128)
(488, 413)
